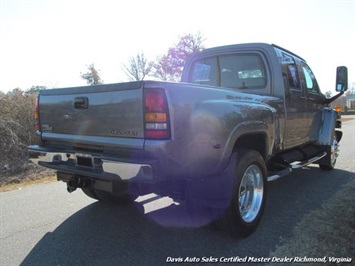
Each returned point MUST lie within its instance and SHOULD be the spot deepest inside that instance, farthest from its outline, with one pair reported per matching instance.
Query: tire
(90, 193)
(332, 158)
(246, 208)
(107, 197)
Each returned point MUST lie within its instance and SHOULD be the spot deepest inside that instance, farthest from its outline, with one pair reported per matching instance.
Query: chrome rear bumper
(92, 165)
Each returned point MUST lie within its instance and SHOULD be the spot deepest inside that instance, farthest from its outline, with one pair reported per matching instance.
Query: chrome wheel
(247, 203)
(334, 151)
(251, 192)
(329, 164)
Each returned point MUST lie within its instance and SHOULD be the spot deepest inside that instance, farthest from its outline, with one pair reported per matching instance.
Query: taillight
(156, 117)
(38, 127)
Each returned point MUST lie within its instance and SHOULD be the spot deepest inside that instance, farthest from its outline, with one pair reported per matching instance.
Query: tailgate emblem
(123, 133)
(46, 127)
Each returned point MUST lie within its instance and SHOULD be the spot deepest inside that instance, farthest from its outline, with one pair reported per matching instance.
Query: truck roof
(228, 48)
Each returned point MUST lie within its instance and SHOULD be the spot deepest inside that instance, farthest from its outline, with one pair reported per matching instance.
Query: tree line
(167, 67)
(16, 128)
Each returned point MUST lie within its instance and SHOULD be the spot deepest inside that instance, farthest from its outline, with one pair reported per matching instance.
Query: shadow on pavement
(102, 234)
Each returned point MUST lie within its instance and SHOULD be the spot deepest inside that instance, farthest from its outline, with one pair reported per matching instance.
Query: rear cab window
(238, 71)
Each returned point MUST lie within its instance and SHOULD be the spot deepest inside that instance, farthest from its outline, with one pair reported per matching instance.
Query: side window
(310, 79)
(290, 70)
(205, 71)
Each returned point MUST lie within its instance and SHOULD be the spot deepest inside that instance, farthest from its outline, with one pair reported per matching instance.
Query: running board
(298, 165)
(280, 174)
(309, 161)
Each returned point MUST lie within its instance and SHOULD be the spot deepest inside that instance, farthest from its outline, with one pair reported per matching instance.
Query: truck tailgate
(93, 113)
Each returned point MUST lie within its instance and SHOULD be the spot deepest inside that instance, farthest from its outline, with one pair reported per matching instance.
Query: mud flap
(215, 191)
(327, 131)
(327, 127)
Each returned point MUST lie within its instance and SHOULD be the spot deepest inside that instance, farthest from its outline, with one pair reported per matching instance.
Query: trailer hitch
(78, 182)
(74, 181)
(72, 185)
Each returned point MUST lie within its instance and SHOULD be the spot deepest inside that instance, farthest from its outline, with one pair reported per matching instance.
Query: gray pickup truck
(243, 115)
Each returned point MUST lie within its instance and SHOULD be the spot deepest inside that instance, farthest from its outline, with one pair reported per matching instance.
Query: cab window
(242, 71)
(310, 80)
(290, 70)
(204, 71)
(239, 71)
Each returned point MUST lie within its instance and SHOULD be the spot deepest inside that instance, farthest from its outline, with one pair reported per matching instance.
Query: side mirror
(341, 79)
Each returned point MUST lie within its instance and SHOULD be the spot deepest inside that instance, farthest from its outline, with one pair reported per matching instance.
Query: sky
(50, 42)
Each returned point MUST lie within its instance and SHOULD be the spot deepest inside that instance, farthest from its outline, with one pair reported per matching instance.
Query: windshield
(240, 71)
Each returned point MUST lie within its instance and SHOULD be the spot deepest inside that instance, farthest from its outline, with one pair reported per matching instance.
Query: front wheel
(247, 204)
(333, 155)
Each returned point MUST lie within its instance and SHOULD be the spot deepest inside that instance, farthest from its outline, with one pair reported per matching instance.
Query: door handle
(81, 103)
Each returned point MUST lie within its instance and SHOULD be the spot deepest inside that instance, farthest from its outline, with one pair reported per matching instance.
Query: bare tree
(35, 89)
(163, 69)
(138, 67)
(170, 66)
(92, 77)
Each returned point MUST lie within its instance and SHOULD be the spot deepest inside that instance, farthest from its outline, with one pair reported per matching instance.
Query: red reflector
(155, 101)
(217, 146)
(38, 127)
(156, 134)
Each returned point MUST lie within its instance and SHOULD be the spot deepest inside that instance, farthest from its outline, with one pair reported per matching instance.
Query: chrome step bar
(298, 165)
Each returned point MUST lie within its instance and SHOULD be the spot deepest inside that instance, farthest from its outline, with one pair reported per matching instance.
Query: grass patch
(328, 231)
(29, 174)
(14, 186)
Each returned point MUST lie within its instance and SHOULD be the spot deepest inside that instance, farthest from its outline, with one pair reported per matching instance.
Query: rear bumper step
(93, 166)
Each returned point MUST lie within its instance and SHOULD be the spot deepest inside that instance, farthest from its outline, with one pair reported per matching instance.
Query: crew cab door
(314, 96)
(296, 102)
